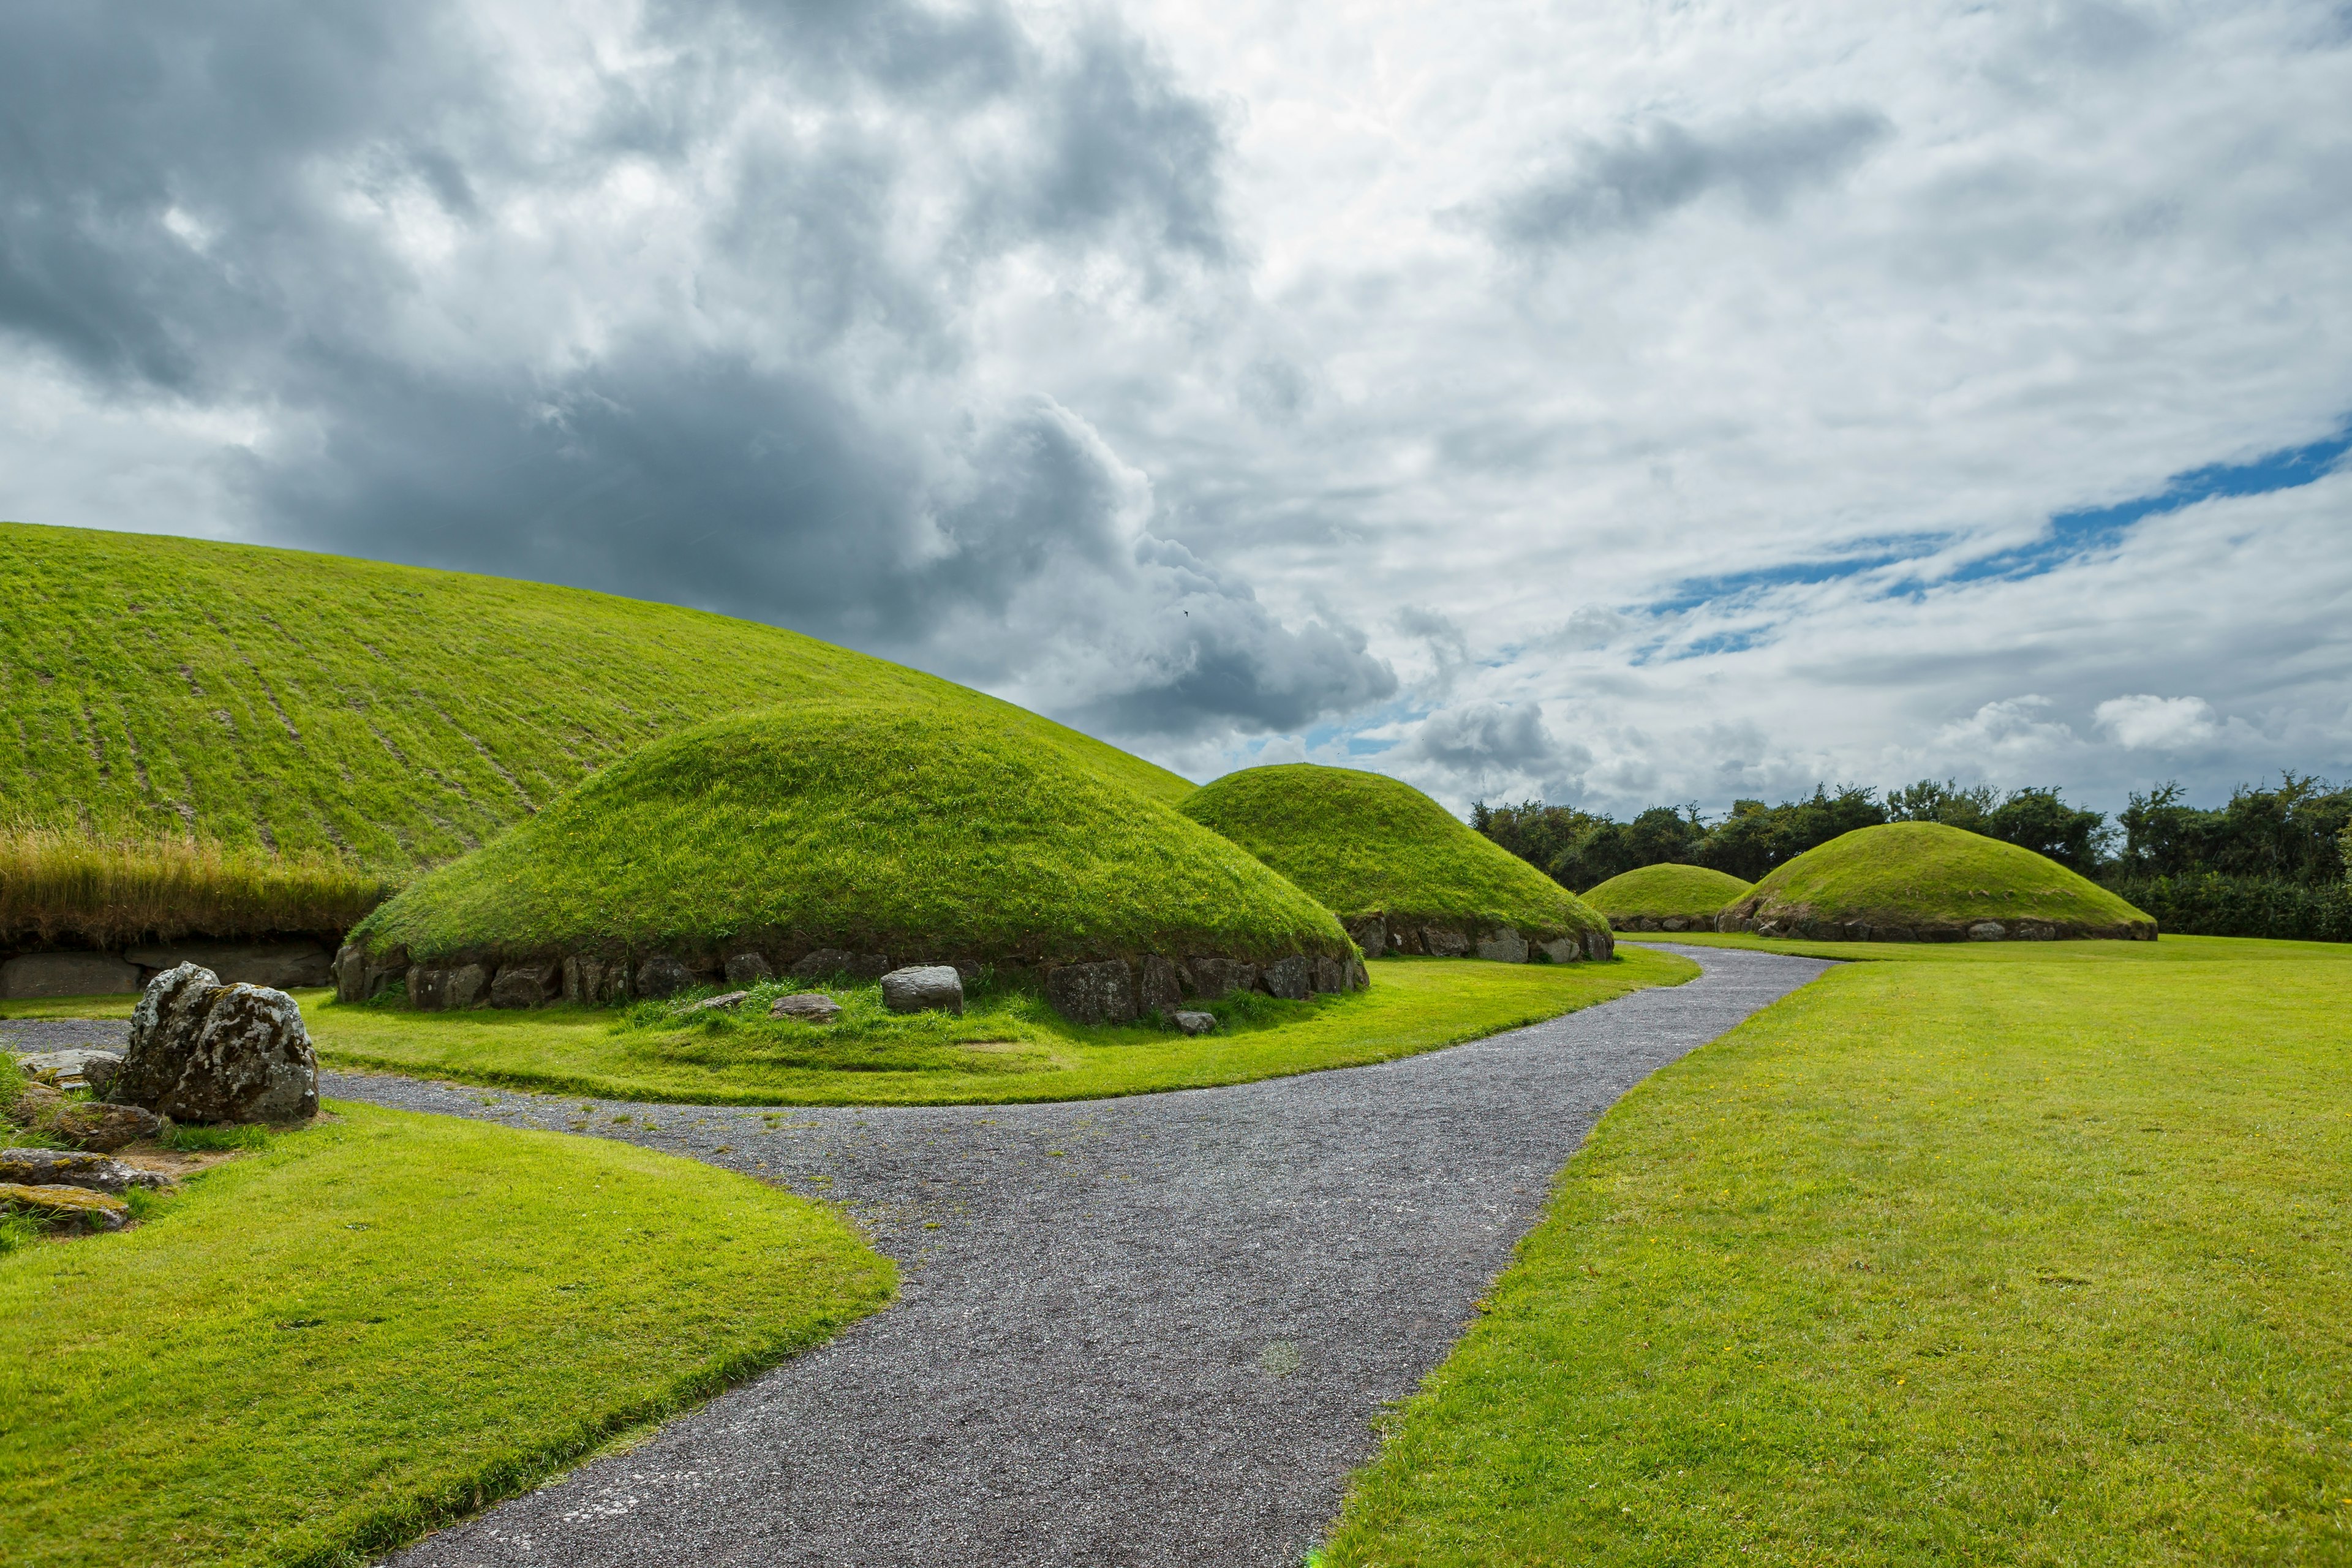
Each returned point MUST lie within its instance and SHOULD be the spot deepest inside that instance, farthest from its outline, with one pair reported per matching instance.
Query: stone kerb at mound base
(1662, 922)
(1379, 935)
(1806, 925)
(1101, 991)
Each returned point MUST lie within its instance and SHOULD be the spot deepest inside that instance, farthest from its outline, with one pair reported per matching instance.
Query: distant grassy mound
(297, 710)
(908, 833)
(1400, 870)
(1666, 898)
(1922, 881)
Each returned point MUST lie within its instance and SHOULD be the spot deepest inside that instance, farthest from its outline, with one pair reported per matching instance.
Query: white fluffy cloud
(1619, 403)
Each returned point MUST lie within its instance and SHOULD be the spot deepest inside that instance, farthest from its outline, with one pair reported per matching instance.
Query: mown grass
(1924, 874)
(1009, 1047)
(389, 717)
(2019, 1253)
(316, 1352)
(1365, 843)
(59, 884)
(872, 827)
(1658, 891)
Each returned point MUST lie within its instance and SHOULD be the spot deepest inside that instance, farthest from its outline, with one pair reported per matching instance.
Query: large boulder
(1292, 978)
(662, 975)
(526, 985)
(201, 1051)
(1093, 993)
(1215, 977)
(924, 988)
(66, 1208)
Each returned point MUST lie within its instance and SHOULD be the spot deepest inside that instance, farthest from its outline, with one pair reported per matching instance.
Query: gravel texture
(1141, 1330)
(26, 1036)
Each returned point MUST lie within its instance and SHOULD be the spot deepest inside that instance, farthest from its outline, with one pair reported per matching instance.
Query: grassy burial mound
(1402, 873)
(229, 741)
(1922, 881)
(1666, 898)
(849, 838)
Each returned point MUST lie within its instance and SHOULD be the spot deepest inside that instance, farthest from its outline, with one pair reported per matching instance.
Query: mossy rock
(1666, 898)
(852, 833)
(1400, 870)
(1922, 881)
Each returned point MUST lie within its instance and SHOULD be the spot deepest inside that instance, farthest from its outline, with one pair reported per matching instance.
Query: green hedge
(2215, 905)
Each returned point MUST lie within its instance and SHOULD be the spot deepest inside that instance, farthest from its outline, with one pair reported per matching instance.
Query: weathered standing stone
(95, 1124)
(205, 1052)
(1215, 977)
(468, 985)
(1504, 944)
(67, 1208)
(1292, 978)
(1599, 944)
(662, 975)
(748, 969)
(1093, 993)
(1161, 985)
(1442, 941)
(1987, 931)
(827, 961)
(1372, 934)
(74, 1168)
(1330, 973)
(1194, 1023)
(813, 1006)
(525, 985)
(32, 975)
(924, 988)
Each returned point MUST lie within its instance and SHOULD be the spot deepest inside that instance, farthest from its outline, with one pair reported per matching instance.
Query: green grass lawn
(312, 1354)
(2034, 1254)
(1366, 844)
(875, 827)
(1009, 1047)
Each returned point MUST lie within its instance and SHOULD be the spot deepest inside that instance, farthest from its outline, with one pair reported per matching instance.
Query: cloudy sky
(1612, 401)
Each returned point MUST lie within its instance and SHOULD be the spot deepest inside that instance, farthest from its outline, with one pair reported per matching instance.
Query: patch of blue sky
(1865, 555)
(2073, 533)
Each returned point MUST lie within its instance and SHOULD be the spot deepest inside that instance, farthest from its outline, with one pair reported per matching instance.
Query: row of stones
(1975, 931)
(1376, 934)
(1111, 991)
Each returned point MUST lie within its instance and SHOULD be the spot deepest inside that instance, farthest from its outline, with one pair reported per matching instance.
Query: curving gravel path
(1141, 1330)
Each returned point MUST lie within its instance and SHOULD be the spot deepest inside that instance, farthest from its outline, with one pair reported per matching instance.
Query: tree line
(2271, 862)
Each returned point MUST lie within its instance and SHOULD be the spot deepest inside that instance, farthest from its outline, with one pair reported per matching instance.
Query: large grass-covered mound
(1906, 882)
(1398, 868)
(1666, 897)
(872, 831)
(385, 717)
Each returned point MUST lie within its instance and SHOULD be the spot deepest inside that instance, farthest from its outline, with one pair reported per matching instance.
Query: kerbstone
(924, 988)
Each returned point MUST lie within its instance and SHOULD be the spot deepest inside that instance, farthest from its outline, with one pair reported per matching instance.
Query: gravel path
(27, 1036)
(1141, 1330)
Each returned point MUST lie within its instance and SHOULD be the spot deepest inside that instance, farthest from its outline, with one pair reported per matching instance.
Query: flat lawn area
(2019, 1253)
(382, 1322)
(1009, 1046)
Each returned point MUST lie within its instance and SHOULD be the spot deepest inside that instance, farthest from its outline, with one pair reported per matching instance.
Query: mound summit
(1402, 873)
(1666, 897)
(849, 838)
(1922, 881)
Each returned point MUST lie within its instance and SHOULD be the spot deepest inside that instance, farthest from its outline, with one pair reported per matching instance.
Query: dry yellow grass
(60, 885)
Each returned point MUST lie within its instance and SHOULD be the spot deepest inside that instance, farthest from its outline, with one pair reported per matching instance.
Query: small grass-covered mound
(1922, 881)
(1666, 897)
(913, 833)
(166, 697)
(1389, 861)
(378, 1324)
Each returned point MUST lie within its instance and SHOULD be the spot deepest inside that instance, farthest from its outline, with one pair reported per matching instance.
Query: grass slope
(1929, 879)
(1652, 892)
(389, 716)
(1365, 843)
(314, 1353)
(2034, 1255)
(867, 826)
(1008, 1048)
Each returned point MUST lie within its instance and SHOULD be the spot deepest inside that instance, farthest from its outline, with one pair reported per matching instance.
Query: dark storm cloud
(1645, 174)
(745, 395)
